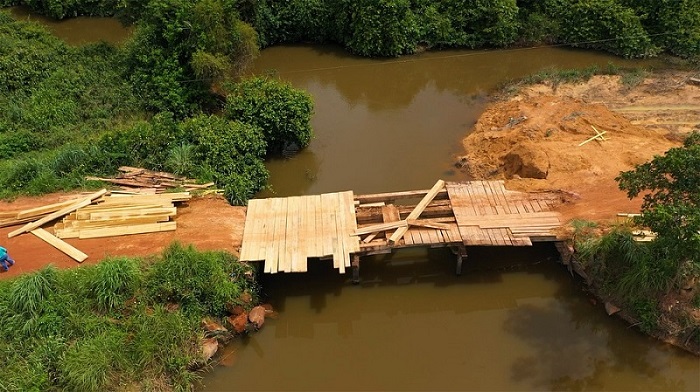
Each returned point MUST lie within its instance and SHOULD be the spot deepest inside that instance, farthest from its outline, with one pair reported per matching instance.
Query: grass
(629, 77)
(634, 274)
(113, 325)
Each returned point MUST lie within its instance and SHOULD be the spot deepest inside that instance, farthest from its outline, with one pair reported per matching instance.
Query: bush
(62, 339)
(281, 111)
(382, 28)
(199, 281)
(605, 25)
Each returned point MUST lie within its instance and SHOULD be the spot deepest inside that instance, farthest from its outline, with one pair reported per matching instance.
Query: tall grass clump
(632, 273)
(115, 281)
(198, 281)
(113, 326)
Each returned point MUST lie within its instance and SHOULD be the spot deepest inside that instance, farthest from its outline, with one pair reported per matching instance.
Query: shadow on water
(429, 268)
(573, 346)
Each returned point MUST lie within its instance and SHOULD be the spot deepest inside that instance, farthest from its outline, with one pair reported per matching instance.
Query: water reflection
(513, 321)
(573, 346)
(396, 124)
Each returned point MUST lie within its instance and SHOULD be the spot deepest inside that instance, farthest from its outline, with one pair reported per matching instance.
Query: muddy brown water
(514, 320)
(80, 30)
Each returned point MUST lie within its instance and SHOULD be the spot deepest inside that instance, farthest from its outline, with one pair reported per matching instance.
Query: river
(514, 320)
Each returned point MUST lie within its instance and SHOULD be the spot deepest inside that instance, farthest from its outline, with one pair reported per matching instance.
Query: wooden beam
(66, 210)
(380, 227)
(127, 230)
(438, 187)
(59, 244)
(47, 209)
(384, 197)
(427, 223)
(600, 135)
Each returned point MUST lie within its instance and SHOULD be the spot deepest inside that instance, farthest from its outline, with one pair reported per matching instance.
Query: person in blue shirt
(5, 261)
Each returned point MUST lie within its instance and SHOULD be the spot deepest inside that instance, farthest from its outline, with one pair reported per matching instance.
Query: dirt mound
(533, 139)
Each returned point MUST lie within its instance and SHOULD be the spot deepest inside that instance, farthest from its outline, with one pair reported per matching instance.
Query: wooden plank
(427, 223)
(343, 235)
(439, 185)
(304, 240)
(14, 222)
(254, 241)
(262, 228)
(292, 239)
(352, 242)
(57, 243)
(380, 227)
(127, 230)
(277, 248)
(140, 212)
(319, 234)
(57, 214)
(84, 213)
(80, 224)
(328, 224)
(390, 196)
(46, 209)
(247, 235)
(338, 242)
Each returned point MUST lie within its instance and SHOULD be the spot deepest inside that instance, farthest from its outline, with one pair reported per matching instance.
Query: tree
(671, 207)
(281, 111)
(181, 48)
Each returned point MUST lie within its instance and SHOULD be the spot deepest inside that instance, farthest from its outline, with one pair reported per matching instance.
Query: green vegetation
(630, 28)
(636, 274)
(282, 112)
(394, 27)
(73, 112)
(121, 323)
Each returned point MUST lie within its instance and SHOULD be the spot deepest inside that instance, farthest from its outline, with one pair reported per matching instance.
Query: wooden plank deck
(286, 232)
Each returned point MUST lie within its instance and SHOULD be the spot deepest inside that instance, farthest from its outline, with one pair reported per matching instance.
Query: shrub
(281, 111)
(606, 25)
(382, 28)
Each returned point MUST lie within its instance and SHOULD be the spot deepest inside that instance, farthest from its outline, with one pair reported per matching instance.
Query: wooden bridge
(286, 232)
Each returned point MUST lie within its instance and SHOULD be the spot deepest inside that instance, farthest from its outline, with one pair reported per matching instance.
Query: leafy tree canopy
(281, 111)
(671, 188)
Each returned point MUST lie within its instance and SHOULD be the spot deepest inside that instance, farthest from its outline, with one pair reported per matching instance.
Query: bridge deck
(285, 232)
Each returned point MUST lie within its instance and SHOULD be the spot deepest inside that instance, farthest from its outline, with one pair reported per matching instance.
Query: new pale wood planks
(57, 243)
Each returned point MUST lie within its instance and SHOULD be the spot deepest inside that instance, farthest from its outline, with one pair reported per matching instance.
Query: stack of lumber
(96, 215)
(151, 181)
(118, 215)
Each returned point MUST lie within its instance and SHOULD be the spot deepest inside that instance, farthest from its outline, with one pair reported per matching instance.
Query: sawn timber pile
(122, 215)
(99, 214)
(149, 181)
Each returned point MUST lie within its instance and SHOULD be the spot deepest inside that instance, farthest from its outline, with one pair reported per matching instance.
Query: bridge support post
(461, 253)
(355, 263)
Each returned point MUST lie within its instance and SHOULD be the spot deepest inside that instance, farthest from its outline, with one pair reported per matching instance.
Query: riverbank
(541, 137)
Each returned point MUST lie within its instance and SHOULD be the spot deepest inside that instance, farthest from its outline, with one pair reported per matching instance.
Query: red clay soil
(532, 139)
(208, 223)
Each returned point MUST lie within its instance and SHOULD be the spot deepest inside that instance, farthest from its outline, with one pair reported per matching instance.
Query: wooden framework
(285, 232)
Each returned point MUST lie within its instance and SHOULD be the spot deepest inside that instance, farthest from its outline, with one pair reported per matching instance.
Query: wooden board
(57, 243)
(439, 185)
(127, 230)
(47, 209)
(57, 214)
